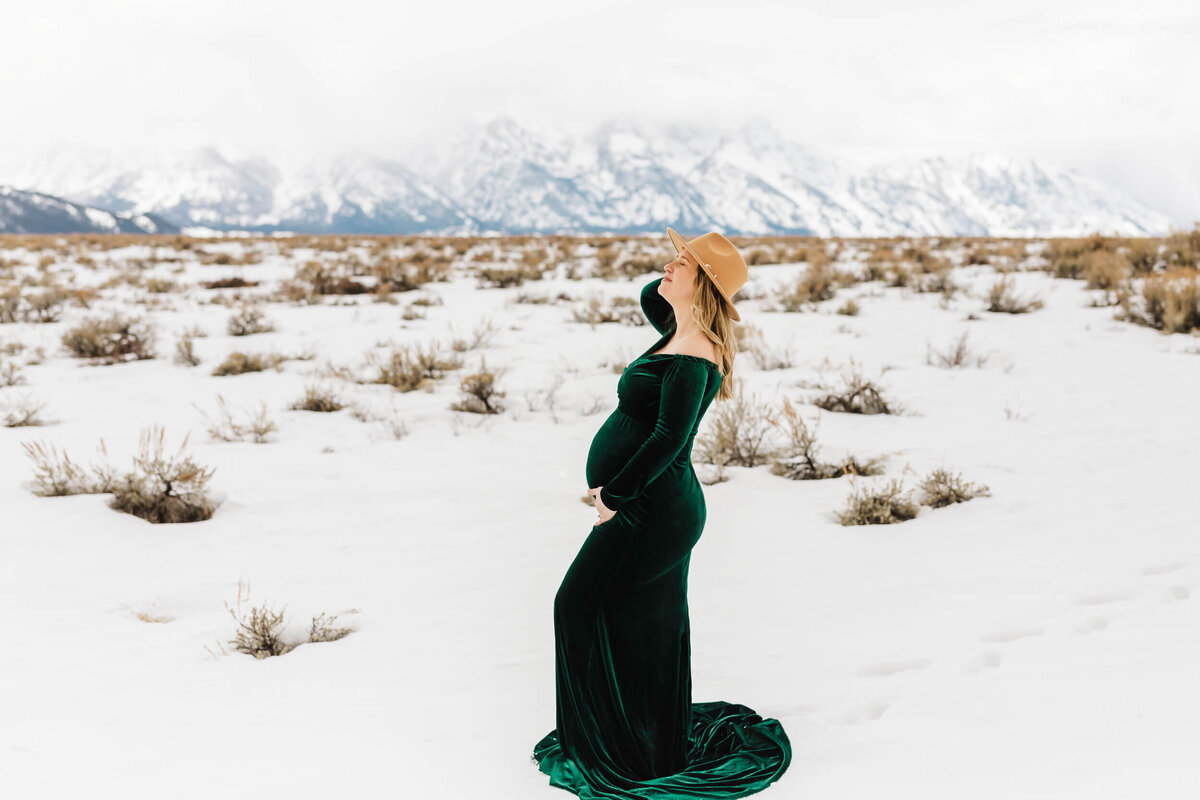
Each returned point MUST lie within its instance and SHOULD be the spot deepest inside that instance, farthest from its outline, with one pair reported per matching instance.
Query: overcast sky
(1107, 87)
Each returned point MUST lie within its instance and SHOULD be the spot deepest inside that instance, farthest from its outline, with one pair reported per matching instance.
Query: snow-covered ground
(1041, 643)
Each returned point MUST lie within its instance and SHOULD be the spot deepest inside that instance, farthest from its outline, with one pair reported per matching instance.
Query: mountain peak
(622, 175)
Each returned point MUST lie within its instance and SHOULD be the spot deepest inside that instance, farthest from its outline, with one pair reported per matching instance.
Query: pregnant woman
(626, 723)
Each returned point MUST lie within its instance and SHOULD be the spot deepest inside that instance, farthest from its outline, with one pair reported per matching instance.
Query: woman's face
(679, 283)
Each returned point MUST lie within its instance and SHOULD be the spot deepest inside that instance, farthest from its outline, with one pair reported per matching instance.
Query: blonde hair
(709, 312)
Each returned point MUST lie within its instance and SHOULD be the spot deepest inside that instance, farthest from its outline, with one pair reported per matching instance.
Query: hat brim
(680, 246)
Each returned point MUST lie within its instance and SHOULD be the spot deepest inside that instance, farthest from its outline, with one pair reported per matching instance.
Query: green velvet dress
(626, 723)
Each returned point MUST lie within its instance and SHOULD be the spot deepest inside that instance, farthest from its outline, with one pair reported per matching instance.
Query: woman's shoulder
(699, 349)
(706, 351)
(689, 363)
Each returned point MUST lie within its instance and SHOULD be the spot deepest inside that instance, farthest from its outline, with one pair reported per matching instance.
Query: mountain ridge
(619, 177)
(25, 212)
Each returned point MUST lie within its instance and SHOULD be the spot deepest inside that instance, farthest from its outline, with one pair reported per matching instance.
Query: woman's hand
(604, 511)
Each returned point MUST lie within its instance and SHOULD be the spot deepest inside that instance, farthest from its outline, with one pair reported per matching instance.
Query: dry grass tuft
(239, 363)
(883, 504)
(318, 398)
(163, 489)
(1169, 301)
(480, 395)
(624, 310)
(1002, 298)
(797, 459)
(111, 340)
(942, 488)
(259, 633)
(856, 395)
(958, 354)
(257, 426)
(737, 432)
(21, 413)
(249, 319)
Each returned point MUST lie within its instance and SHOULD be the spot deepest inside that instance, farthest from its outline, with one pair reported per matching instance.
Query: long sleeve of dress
(656, 308)
(683, 385)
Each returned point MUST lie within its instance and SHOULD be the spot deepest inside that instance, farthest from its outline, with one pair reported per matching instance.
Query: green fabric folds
(684, 381)
(626, 724)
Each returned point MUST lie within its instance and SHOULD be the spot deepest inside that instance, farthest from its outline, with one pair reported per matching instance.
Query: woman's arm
(683, 385)
(656, 307)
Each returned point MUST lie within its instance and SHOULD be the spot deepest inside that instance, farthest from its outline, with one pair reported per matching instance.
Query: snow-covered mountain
(32, 212)
(192, 187)
(620, 177)
(360, 193)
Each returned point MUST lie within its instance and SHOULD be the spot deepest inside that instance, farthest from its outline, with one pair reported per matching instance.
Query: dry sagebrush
(738, 432)
(160, 488)
(856, 395)
(797, 458)
(111, 340)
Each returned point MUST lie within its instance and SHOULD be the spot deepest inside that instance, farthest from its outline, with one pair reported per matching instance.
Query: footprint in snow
(1179, 592)
(865, 713)
(1012, 634)
(1096, 622)
(1102, 598)
(988, 659)
(1163, 569)
(888, 668)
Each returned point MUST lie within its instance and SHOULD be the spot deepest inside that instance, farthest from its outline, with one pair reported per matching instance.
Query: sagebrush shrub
(958, 354)
(225, 427)
(504, 277)
(323, 629)
(318, 398)
(259, 633)
(10, 373)
(1143, 255)
(942, 488)
(397, 274)
(228, 283)
(935, 277)
(21, 413)
(624, 310)
(55, 475)
(45, 306)
(1065, 257)
(111, 340)
(857, 395)
(900, 276)
(185, 350)
(434, 365)
(399, 369)
(797, 458)
(817, 283)
(1106, 270)
(878, 505)
(480, 395)
(849, 308)
(484, 332)
(10, 305)
(239, 363)
(163, 489)
(1169, 301)
(249, 319)
(750, 340)
(1182, 248)
(157, 285)
(1002, 298)
(737, 433)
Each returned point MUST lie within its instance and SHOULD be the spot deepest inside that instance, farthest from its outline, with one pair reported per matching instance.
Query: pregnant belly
(614, 444)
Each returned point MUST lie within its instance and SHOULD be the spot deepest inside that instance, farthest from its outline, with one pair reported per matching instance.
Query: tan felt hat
(720, 259)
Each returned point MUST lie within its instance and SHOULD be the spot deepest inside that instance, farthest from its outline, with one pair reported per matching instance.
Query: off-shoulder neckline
(666, 336)
(708, 361)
